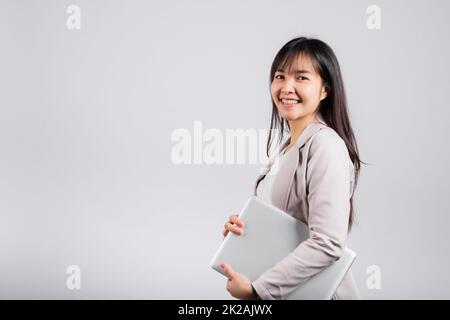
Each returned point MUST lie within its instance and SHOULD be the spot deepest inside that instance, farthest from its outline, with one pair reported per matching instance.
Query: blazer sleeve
(328, 193)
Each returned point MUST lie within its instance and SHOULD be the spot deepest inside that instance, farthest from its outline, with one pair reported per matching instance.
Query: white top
(264, 189)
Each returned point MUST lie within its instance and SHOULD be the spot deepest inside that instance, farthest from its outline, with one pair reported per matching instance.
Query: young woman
(317, 171)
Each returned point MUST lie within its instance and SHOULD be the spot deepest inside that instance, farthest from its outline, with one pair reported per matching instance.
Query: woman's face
(298, 91)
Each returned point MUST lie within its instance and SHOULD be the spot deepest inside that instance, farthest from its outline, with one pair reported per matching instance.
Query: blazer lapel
(285, 175)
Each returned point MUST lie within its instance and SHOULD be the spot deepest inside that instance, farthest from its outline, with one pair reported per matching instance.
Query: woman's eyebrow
(296, 71)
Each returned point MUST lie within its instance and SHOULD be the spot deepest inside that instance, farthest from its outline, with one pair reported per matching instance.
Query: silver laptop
(270, 235)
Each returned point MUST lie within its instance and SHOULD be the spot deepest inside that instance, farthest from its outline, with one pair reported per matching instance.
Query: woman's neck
(297, 126)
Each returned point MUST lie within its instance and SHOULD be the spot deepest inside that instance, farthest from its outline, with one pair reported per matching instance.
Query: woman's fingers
(235, 219)
(233, 228)
(233, 224)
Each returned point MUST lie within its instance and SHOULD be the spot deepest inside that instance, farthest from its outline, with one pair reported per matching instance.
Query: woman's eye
(279, 76)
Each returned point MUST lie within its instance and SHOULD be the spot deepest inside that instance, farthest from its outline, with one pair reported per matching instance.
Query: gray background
(86, 118)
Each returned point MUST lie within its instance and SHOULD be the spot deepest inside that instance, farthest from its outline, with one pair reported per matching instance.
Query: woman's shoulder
(327, 135)
(327, 141)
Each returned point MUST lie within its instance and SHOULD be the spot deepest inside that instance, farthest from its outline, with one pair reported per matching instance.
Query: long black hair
(333, 108)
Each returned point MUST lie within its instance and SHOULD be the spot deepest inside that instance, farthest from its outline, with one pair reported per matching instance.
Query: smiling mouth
(290, 101)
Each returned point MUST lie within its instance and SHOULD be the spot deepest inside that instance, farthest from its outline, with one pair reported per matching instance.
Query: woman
(317, 171)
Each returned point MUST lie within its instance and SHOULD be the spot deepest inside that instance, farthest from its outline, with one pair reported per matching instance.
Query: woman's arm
(328, 183)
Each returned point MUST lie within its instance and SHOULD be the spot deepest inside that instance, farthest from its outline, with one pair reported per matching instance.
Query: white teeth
(285, 101)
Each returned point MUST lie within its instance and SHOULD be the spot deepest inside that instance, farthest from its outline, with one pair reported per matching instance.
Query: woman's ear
(324, 93)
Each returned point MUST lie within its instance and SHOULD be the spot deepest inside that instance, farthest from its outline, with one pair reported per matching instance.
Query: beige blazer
(314, 185)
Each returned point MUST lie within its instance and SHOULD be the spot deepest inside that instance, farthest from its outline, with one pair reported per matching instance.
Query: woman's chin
(290, 116)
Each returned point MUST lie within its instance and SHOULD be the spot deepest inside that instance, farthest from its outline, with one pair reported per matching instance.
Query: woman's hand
(238, 285)
(234, 224)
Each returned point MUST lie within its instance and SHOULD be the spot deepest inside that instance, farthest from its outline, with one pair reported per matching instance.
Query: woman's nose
(288, 87)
